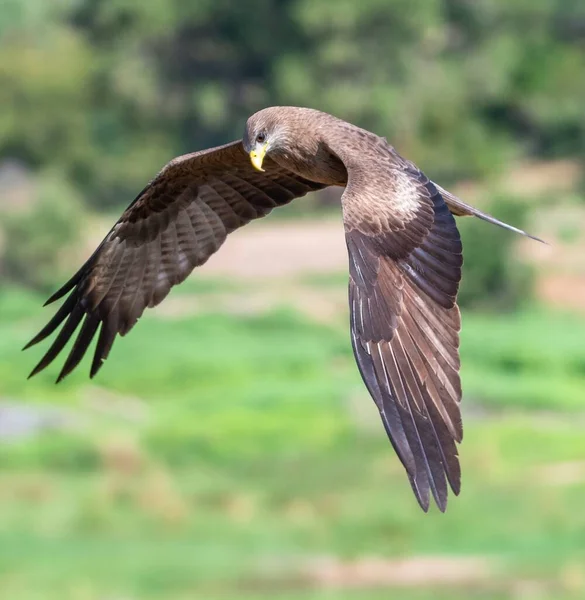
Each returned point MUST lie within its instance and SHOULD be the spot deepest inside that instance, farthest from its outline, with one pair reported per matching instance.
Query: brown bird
(405, 260)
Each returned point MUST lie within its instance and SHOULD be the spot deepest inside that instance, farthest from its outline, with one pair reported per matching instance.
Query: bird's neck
(315, 162)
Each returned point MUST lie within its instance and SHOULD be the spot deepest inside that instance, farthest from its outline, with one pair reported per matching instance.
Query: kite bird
(405, 260)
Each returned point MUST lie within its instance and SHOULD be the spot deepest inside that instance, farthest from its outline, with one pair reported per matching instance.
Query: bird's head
(265, 133)
(258, 146)
(282, 132)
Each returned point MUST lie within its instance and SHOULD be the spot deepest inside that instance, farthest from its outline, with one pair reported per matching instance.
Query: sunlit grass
(217, 455)
(137, 526)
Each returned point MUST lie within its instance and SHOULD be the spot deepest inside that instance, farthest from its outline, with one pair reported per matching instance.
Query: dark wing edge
(405, 336)
(175, 224)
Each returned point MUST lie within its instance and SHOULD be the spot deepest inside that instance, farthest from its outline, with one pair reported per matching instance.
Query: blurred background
(228, 449)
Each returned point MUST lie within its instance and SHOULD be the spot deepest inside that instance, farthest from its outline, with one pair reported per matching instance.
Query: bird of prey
(405, 260)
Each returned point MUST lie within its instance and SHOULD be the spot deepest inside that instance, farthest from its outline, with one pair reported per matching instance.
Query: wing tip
(50, 300)
(425, 502)
(64, 372)
(63, 290)
(39, 337)
(40, 366)
(29, 344)
(422, 497)
(95, 367)
(442, 502)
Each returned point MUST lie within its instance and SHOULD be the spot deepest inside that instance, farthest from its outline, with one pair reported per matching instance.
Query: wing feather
(175, 224)
(405, 266)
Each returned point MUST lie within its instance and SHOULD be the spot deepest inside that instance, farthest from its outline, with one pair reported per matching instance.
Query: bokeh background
(228, 449)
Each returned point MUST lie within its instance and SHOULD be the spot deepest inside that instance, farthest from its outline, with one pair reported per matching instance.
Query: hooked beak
(257, 155)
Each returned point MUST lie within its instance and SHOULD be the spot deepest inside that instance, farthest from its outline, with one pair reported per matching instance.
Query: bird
(405, 262)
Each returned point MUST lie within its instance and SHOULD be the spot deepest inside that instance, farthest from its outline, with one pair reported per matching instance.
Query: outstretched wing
(174, 225)
(405, 267)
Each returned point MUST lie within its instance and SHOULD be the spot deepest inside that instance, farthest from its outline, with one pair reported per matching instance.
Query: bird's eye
(261, 138)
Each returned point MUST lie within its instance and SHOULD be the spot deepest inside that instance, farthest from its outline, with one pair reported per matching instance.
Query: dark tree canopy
(106, 92)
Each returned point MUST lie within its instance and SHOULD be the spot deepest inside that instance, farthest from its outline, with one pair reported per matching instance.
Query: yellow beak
(257, 156)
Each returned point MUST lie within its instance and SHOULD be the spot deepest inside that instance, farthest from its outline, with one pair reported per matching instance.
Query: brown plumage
(404, 262)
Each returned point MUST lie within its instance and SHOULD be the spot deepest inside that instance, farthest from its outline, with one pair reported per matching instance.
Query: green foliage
(250, 448)
(531, 360)
(493, 276)
(107, 92)
(254, 438)
(31, 236)
(104, 93)
(226, 387)
(215, 453)
(135, 528)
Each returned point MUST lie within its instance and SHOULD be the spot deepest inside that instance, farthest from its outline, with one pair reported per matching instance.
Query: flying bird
(405, 258)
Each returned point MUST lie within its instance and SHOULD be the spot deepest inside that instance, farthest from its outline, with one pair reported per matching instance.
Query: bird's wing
(174, 225)
(405, 266)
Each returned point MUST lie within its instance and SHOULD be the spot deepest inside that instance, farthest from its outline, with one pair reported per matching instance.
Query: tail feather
(460, 209)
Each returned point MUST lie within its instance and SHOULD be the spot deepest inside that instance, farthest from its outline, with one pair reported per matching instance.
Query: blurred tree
(493, 277)
(31, 236)
(108, 91)
(104, 92)
(460, 87)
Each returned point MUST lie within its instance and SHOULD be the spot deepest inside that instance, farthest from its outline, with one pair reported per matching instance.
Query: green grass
(151, 531)
(533, 360)
(216, 456)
